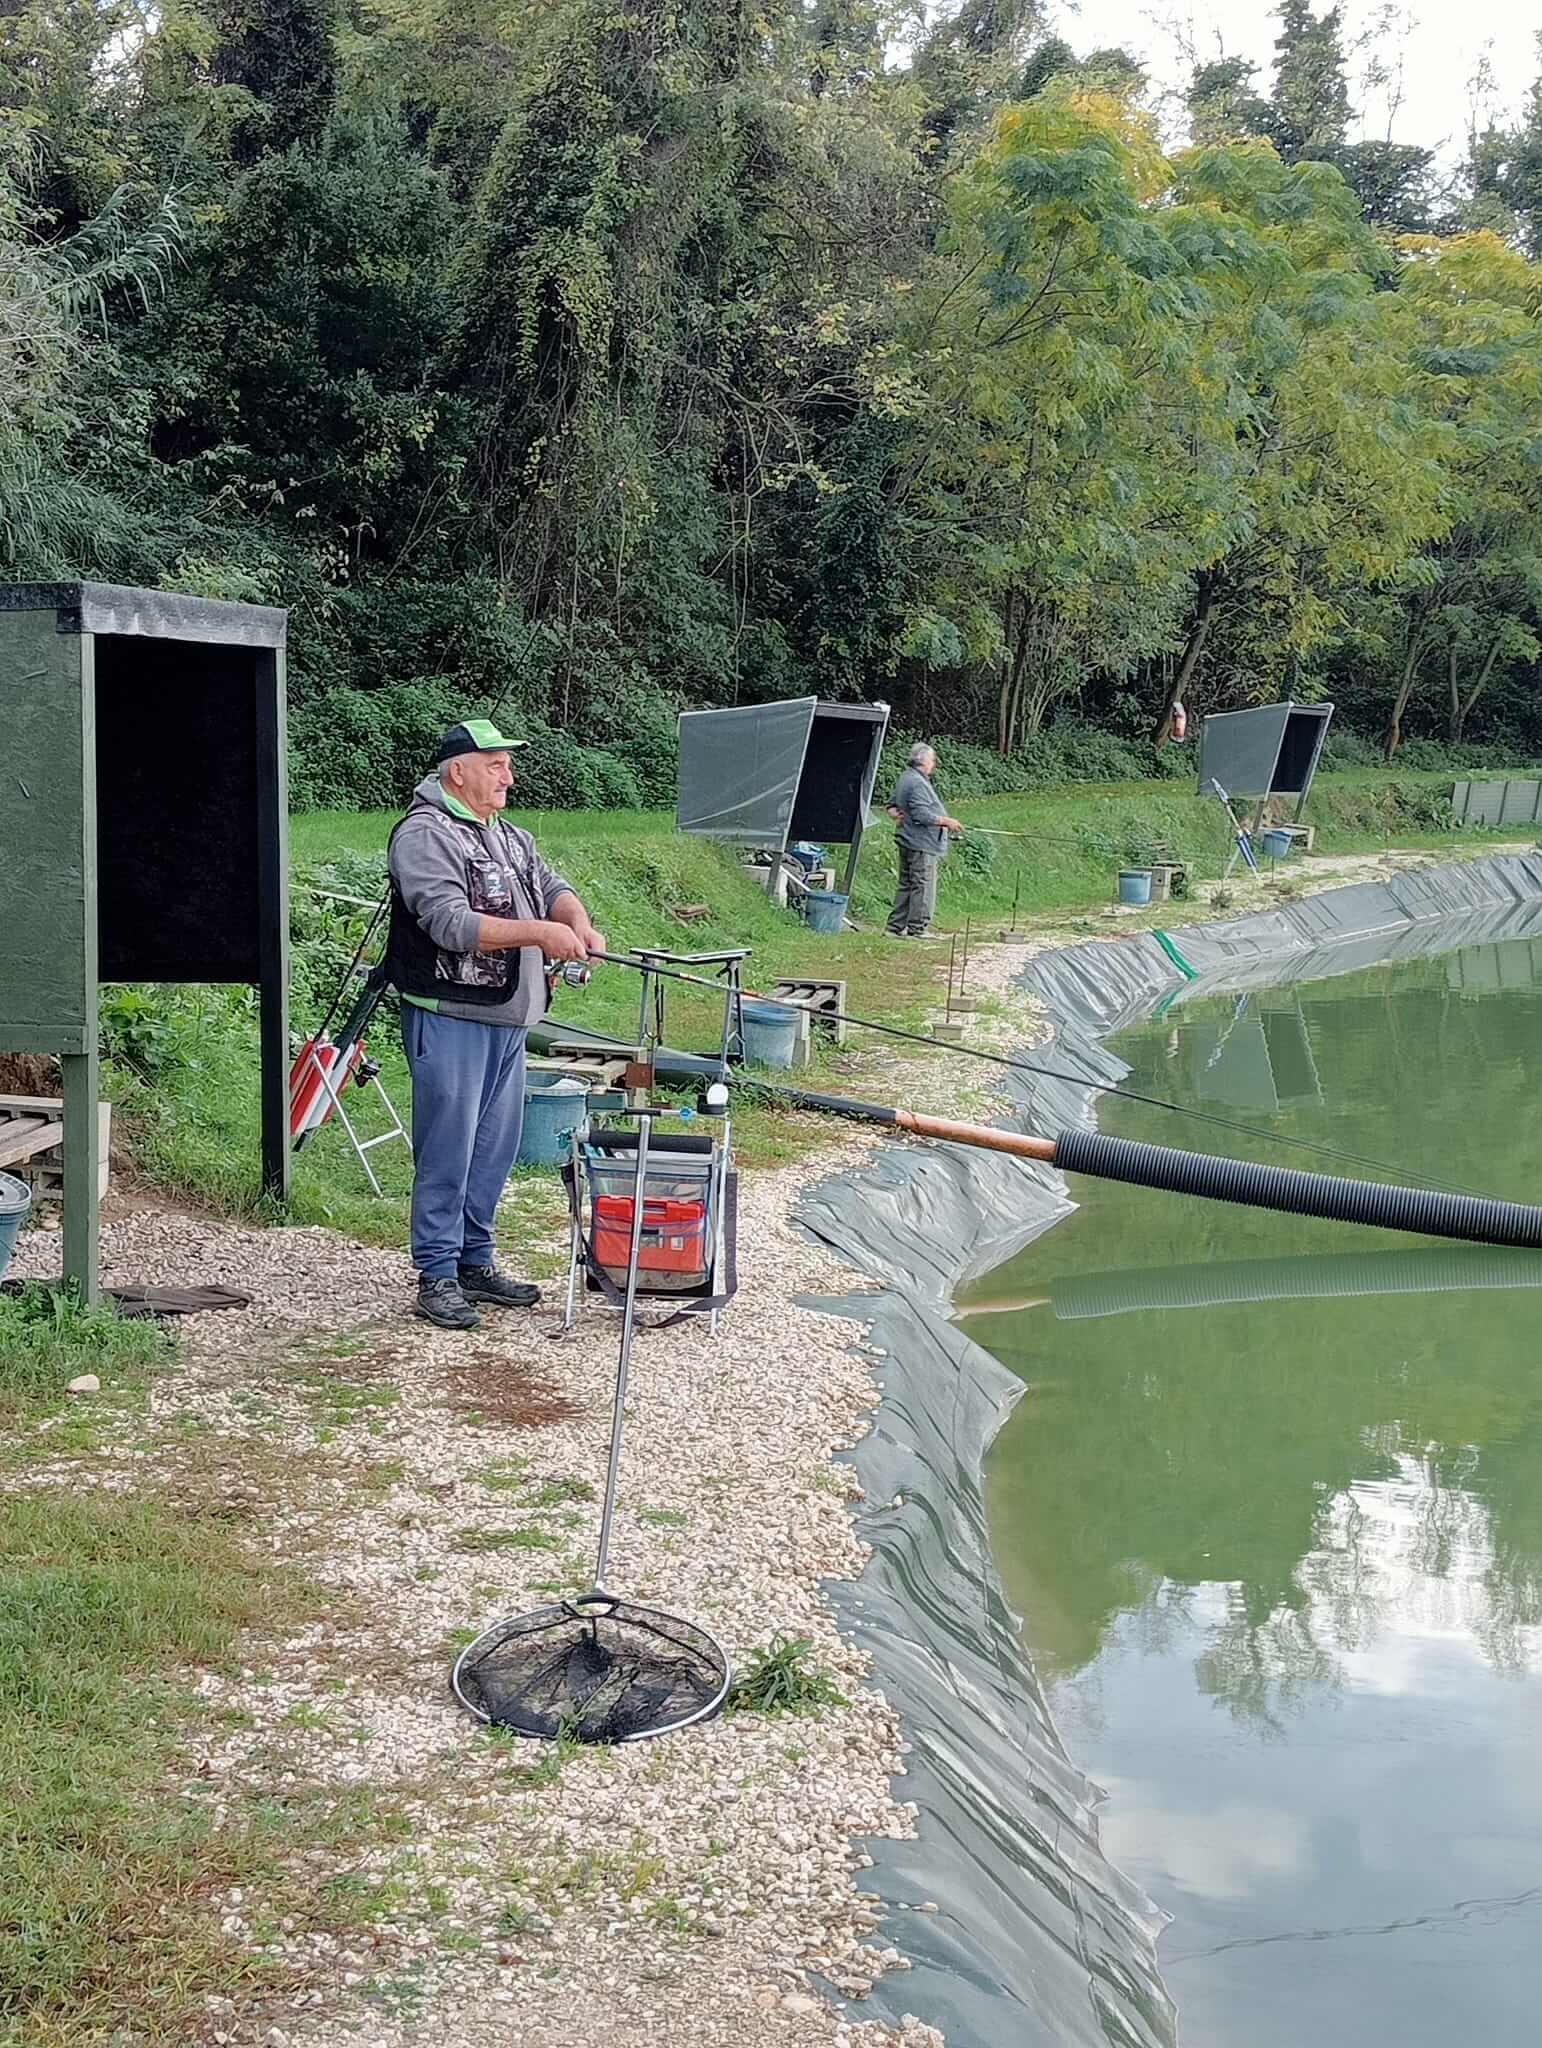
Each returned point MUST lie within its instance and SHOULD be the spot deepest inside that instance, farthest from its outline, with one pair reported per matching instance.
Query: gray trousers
(916, 897)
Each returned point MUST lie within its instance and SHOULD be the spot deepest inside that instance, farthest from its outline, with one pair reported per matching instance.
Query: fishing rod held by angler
(1478, 1219)
(1433, 1212)
(1022, 1066)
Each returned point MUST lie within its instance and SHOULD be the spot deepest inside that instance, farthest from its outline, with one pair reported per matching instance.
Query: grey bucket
(15, 1201)
(826, 910)
(770, 1034)
(554, 1108)
(1135, 885)
(1278, 844)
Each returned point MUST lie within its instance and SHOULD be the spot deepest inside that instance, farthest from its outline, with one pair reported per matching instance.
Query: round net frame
(592, 1669)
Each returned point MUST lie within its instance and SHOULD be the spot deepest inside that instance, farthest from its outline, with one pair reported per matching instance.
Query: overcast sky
(1439, 51)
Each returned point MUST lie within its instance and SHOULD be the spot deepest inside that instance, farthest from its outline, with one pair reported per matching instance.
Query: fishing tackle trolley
(687, 1232)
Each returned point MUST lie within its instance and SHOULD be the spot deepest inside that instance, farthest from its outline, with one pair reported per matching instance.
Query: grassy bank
(187, 1082)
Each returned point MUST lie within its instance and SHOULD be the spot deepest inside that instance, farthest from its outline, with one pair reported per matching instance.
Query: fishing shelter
(1270, 751)
(762, 775)
(143, 830)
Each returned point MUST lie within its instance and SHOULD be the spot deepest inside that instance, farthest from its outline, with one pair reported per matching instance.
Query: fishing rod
(1020, 1065)
(1477, 1219)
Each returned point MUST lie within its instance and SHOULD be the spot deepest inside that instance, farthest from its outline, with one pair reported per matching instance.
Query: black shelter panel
(830, 791)
(177, 810)
(1304, 731)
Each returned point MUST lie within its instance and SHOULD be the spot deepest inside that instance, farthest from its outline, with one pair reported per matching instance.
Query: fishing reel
(571, 973)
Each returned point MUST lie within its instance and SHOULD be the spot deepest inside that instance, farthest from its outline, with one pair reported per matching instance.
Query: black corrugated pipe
(1476, 1218)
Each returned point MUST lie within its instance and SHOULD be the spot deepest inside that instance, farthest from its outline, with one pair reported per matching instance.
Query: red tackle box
(673, 1254)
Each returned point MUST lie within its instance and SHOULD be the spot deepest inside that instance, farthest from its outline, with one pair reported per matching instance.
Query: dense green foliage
(600, 362)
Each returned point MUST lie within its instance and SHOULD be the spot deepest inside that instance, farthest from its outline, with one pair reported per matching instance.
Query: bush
(364, 750)
(1345, 749)
(1068, 751)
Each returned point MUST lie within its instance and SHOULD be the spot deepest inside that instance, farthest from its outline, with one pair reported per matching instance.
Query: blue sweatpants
(468, 1102)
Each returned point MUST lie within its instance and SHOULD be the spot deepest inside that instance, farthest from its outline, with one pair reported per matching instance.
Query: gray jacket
(452, 872)
(919, 807)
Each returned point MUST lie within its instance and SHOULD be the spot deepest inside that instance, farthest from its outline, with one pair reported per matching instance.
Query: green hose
(1189, 973)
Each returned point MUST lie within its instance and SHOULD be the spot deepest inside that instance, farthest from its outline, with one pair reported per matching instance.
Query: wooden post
(82, 1174)
(273, 919)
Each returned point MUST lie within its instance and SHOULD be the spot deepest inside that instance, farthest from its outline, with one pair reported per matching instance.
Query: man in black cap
(475, 915)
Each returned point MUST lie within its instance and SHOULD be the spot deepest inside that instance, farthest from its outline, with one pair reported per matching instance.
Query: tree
(1338, 475)
(1476, 589)
(1071, 468)
(1504, 175)
(1309, 112)
(281, 54)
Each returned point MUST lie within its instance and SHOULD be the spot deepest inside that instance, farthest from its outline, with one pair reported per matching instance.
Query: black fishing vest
(415, 966)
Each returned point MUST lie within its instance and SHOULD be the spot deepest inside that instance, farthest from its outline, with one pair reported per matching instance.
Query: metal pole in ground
(628, 1323)
(952, 963)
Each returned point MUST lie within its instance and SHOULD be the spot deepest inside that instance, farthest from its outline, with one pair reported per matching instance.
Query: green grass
(47, 1339)
(780, 1679)
(105, 1920)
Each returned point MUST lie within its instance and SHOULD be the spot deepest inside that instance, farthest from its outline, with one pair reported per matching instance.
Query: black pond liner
(1038, 1940)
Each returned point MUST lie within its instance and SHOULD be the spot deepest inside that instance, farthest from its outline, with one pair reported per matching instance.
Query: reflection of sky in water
(1272, 1511)
(1399, 1807)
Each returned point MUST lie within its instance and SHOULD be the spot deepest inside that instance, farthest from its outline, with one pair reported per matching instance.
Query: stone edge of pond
(919, 1223)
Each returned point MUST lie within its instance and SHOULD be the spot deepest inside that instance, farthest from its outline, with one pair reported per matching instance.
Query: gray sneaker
(441, 1301)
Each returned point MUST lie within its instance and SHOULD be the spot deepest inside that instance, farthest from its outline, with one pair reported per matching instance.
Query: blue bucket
(1278, 844)
(770, 1034)
(555, 1105)
(15, 1201)
(826, 910)
(1135, 885)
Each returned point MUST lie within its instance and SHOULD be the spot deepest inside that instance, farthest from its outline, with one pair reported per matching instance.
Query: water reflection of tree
(1264, 1671)
(1232, 1446)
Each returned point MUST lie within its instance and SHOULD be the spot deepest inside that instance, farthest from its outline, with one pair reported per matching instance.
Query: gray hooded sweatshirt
(452, 871)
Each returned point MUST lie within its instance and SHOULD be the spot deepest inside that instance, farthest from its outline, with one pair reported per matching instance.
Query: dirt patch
(488, 1384)
(29, 1073)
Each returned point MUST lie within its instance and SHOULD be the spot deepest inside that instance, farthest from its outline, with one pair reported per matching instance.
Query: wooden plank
(82, 1198)
(31, 1105)
(21, 1136)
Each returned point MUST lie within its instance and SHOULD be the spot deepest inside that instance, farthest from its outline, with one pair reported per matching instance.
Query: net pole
(628, 1323)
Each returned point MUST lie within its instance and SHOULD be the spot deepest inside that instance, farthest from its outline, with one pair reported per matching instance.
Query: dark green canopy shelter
(143, 832)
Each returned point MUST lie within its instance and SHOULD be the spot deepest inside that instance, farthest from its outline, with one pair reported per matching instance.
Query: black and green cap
(474, 736)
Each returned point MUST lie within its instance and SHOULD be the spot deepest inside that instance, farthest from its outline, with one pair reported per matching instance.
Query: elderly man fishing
(475, 915)
(922, 828)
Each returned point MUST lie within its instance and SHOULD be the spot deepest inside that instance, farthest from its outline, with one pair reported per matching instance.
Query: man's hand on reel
(560, 943)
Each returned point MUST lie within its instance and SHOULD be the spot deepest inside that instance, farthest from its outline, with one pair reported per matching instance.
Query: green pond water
(1271, 1511)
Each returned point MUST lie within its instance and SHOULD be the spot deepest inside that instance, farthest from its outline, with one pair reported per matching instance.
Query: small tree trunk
(1412, 655)
(1204, 604)
(1019, 639)
(1462, 711)
(1453, 690)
